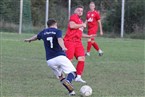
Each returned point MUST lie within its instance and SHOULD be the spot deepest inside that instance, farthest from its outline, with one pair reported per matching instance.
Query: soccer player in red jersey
(93, 21)
(73, 43)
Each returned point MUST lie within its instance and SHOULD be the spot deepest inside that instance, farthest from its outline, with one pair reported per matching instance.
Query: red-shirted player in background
(93, 20)
(73, 41)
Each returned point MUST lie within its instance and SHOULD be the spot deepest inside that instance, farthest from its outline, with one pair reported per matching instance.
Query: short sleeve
(59, 34)
(73, 18)
(97, 16)
(39, 35)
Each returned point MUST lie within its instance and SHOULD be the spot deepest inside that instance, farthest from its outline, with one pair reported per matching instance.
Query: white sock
(79, 76)
(100, 51)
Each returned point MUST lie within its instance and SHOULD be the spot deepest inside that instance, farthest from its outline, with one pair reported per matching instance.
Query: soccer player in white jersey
(55, 54)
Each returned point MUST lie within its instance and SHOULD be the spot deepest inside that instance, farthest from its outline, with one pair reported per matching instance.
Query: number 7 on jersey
(50, 39)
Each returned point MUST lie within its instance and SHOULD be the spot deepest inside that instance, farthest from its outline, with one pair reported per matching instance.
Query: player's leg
(67, 67)
(80, 55)
(68, 86)
(70, 49)
(80, 69)
(96, 46)
(89, 45)
(56, 68)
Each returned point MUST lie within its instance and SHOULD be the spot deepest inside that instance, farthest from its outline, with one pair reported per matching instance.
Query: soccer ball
(86, 91)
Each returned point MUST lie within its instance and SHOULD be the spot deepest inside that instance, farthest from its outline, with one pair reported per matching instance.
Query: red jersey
(74, 34)
(92, 18)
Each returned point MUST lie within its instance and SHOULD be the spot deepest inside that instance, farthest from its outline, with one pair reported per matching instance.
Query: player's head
(92, 6)
(79, 10)
(51, 22)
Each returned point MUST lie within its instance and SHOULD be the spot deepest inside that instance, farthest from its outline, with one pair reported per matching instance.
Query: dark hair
(51, 22)
(92, 2)
(80, 6)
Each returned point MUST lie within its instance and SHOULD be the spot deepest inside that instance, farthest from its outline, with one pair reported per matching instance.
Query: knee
(82, 58)
(61, 77)
(89, 39)
(92, 41)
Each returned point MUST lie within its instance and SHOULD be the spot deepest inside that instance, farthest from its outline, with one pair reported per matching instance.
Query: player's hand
(84, 25)
(86, 22)
(64, 49)
(27, 40)
(93, 35)
(101, 33)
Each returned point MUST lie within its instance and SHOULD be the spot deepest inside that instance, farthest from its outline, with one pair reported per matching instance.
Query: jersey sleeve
(59, 34)
(39, 35)
(97, 16)
(73, 18)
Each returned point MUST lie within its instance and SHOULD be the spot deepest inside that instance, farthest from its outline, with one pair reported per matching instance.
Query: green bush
(134, 17)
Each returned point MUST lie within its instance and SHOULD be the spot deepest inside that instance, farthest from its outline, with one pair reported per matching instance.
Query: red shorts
(74, 49)
(93, 31)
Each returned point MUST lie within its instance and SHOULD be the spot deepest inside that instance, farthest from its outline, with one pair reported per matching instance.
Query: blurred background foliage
(110, 10)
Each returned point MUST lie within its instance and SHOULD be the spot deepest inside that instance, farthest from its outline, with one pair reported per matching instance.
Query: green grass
(120, 72)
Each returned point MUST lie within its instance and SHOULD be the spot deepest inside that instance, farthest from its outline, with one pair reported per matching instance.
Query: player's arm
(100, 25)
(33, 38)
(87, 36)
(73, 25)
(61, 43)
(86, 21)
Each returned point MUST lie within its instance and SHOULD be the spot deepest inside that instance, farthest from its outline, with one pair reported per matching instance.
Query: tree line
(110, 12)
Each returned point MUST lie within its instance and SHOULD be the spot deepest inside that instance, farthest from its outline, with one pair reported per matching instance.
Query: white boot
(79, 79)
(100, 52)
(72, 93)
(88, 53)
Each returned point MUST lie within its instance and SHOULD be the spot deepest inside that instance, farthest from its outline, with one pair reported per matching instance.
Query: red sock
(80, 67)
(89, 46)
(95, 45)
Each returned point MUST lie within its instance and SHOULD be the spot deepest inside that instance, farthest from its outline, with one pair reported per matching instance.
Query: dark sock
(67, 85)
(71, 76)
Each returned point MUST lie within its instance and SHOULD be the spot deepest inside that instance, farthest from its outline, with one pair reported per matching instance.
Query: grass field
(120, 72)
